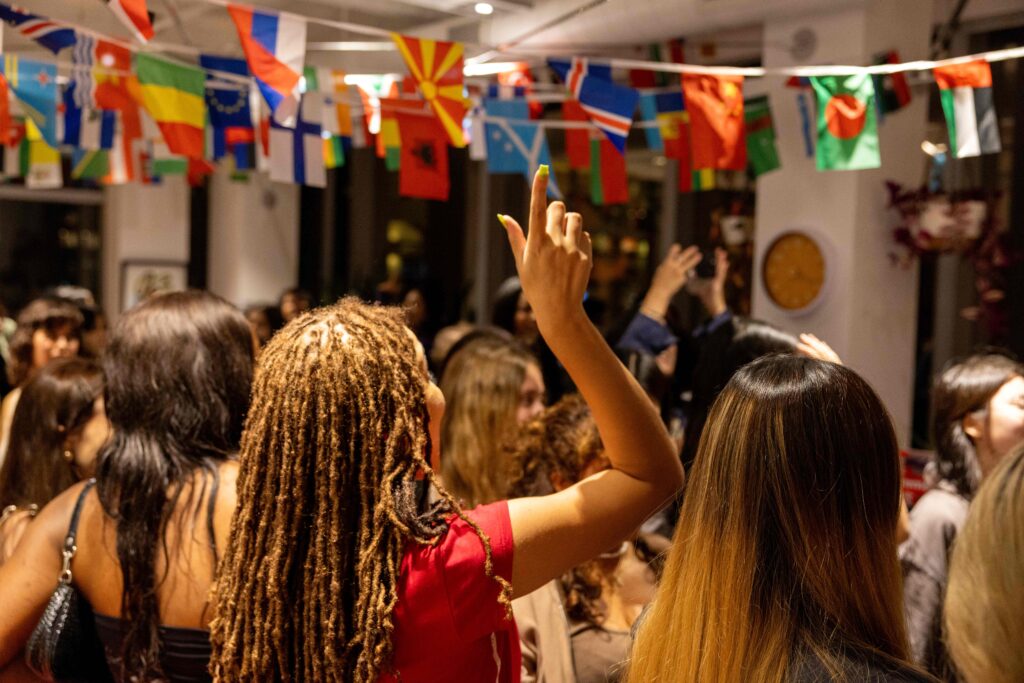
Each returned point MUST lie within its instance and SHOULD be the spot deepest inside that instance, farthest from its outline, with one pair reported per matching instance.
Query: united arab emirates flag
(966, 94)
(847, 122)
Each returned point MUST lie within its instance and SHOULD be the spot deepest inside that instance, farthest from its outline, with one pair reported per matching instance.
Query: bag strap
(69, 550)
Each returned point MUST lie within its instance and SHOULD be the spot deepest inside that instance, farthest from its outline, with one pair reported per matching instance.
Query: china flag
(423, 173)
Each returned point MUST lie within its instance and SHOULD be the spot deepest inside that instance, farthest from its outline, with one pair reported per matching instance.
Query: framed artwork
(141, 279)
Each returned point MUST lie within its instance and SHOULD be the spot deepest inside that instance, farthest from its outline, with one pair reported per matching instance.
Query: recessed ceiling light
(484, 8)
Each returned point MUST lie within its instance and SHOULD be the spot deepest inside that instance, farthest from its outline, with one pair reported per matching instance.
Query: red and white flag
(134, 15)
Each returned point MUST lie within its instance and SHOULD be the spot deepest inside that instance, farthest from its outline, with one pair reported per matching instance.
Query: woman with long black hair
(178, 370)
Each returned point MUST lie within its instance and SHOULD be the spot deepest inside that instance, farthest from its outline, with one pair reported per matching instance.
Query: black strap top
(184, 652)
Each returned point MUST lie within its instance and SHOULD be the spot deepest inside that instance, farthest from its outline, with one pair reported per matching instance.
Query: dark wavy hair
(48, 313)
(179, 370)
(56, 401)
(724, 352)
(965, 386)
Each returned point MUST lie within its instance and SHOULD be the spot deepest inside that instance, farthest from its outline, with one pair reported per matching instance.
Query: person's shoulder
(809, 668)
(939, 508)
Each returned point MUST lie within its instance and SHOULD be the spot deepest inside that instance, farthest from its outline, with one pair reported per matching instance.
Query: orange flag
(715, 106)
(437, 67)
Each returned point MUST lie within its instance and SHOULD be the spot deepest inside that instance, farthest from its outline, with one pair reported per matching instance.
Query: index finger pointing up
(538, 205)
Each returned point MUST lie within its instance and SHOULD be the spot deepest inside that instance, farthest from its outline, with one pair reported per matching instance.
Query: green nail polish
(501, 219)
(543, 171)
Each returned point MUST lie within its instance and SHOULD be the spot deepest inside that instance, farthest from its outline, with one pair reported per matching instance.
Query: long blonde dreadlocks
(335, 437)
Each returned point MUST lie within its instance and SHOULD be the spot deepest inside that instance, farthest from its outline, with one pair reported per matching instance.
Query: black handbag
(64, 645)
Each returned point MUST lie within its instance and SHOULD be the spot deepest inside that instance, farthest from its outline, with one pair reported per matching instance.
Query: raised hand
(553, 258)
(812, 347)
(713, 295)
(670, 276)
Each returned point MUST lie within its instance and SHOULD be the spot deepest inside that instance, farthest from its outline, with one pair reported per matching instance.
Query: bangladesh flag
(966, 93)
(761, 150)
(607, 173)
(847, 122)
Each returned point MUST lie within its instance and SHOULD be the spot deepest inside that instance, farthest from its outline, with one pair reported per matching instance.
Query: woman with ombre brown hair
(783, 566)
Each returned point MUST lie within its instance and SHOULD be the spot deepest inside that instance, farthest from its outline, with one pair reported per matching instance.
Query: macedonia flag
(437, 67)
(174, 95)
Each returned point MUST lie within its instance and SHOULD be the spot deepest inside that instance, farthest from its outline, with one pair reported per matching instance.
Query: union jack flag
(609, 106)
(51, 35)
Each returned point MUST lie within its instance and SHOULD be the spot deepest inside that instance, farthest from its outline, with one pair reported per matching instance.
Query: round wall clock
(794, 271)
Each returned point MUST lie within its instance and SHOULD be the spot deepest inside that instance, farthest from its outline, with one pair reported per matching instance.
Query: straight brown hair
(57, 400)
(786, 547)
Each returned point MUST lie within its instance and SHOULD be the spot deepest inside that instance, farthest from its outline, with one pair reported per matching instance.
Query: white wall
(142, 222)
(869, 314)
(254, 238)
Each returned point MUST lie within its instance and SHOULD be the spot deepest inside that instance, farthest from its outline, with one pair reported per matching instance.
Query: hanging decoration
(424, 168)
(847, 122)
(208, 112)
(966, 94)
(437, 67)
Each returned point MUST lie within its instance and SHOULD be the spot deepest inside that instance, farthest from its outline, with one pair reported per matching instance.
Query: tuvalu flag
(761, 149)
(715, 105)
(607, 173)
(173, 94)
(424, 169)
(966, 94)
(847, 122)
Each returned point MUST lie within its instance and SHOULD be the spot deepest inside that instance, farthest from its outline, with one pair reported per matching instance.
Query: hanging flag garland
(715, 105)
(50, 34)
(437, 67)
(966, 94)
(847, 122)
(135, 16)
(761, 149)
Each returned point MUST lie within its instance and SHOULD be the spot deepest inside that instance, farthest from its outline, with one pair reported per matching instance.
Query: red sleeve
(472, 594)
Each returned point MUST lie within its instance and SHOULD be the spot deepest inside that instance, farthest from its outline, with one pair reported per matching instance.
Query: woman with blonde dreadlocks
(332, 574)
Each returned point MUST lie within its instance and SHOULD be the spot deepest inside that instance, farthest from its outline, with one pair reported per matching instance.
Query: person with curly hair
(332, 571)
(577, 627)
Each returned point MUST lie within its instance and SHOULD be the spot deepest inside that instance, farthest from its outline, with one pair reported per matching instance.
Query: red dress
(449, 625)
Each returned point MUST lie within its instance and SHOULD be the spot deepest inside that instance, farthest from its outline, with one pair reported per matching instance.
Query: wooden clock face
(794, 271)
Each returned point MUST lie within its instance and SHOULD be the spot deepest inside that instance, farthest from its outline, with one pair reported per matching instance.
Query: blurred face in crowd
(531, 395)
(292, 306)
(999, 427)
(435, 405)
(415, 309)
(48, 343)
(85, 443)
(260, 324)
(95, 340)
(525, 322)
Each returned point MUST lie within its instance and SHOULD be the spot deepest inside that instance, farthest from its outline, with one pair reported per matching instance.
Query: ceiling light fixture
(484, 8)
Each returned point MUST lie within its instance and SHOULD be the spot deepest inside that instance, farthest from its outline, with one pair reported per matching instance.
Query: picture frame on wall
(141, 279)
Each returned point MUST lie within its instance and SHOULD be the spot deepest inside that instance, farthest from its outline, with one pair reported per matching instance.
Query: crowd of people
(327, 494)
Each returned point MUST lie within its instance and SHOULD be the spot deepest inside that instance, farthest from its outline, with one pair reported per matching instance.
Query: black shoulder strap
(73, 527)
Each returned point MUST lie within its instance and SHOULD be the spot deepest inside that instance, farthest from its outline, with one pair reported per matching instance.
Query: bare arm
(554, 533)
(29, 578)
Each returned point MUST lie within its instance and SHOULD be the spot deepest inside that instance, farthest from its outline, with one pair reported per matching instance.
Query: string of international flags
(126, 115)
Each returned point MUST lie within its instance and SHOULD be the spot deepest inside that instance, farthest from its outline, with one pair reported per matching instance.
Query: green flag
(847, 122)
(94, 164)
(761, 150)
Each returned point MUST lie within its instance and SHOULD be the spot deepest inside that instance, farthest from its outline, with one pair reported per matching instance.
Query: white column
(254, 238)
(142, 222)
(870, 313)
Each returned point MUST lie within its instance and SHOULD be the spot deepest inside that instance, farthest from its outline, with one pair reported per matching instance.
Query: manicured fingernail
(501, 219)
(543, 171)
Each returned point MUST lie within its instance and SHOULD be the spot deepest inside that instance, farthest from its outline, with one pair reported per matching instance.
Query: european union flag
(229, 111)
